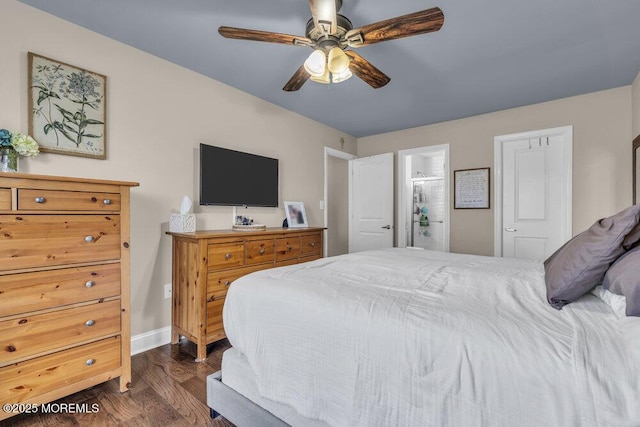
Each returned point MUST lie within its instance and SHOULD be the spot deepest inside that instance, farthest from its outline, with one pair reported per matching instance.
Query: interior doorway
(423, 198)
(336, 201)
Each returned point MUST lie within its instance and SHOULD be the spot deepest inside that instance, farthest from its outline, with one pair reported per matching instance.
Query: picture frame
(67, 108)
(296, 215)
(472, 188)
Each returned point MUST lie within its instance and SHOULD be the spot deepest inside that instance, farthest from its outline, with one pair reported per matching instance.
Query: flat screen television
(234, 178)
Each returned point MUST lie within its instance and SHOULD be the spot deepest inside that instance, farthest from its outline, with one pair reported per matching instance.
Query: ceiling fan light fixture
(338, 61)
(316, 63)
(324, 79)
(340, 77)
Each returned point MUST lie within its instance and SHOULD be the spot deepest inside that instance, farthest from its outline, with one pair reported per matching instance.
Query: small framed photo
(296, 216)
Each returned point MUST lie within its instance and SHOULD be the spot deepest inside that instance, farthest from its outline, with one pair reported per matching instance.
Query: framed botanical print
(67, 108)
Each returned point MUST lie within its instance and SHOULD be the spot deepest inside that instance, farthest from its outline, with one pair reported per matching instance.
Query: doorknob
(388, 227)
(510, 230)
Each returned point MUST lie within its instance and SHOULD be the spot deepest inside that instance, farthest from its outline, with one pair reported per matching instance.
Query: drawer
(5, 199)
(309, 258)
(58, 200)
(33, 334)
(260, 251)
(215, 329)
(47, 240)
(22, 293)
(286, 262)
(225, 255)
(310, 245)
(287, 248)
(26, 380)
(219, 281)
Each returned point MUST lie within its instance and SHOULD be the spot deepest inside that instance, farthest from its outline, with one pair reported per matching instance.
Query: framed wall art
(471, 188)
(296, 216)
(67, 108)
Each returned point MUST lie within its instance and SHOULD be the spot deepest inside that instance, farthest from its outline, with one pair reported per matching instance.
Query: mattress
(238, 375)
(402, 337)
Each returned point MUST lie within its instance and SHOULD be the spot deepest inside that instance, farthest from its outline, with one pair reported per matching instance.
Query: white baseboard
(149, 340)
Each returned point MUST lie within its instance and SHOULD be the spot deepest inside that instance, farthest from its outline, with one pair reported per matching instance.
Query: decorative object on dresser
(67, 108)
(185, 220)
(64, 286)
(296, 215)
(13, 145)
(205, 263)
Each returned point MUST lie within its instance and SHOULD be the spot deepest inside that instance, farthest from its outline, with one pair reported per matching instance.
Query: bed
(405, 337)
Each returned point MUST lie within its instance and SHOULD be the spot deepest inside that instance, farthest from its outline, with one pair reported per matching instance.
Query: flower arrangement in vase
(12, 145)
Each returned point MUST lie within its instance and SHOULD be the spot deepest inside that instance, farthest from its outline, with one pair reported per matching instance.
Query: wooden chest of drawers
(205, 263)
(64, 286)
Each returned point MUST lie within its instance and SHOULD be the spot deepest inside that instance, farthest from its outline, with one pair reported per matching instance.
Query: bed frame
(223, 400)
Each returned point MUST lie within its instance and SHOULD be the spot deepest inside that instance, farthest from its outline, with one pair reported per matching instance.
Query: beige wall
(337, 206)
(601, 170)
(635, 100)
(158, 113)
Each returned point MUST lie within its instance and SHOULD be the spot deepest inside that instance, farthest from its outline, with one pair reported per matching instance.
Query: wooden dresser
(64, 286)
(205, 263)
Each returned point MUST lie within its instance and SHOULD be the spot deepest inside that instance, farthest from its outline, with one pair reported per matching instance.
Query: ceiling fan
(330, 35)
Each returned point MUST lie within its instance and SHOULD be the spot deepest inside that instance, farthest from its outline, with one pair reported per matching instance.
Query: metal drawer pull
(312, 244)
(510, 230)
(107, 201)
(387, 227)
(290, 247)
(261, 251)
(88, 239)
(90, 322)
(90, 284)
(227, 282)
(227, 255)
(40, 199)
(90, 362)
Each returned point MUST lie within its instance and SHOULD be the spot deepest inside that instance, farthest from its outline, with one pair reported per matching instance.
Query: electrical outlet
(167, 291)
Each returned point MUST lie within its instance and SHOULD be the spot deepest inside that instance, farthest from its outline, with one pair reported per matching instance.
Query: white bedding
(404, 337)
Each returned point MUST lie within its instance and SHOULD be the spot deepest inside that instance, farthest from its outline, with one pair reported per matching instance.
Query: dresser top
(13, 176)
(204, 234)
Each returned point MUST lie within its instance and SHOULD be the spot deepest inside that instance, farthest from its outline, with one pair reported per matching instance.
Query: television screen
(233, 178)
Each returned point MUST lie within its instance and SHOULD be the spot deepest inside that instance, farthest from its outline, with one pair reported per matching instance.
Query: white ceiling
(489, 55)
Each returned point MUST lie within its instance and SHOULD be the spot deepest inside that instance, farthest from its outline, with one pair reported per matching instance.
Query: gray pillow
(623, 278)
(580, 264)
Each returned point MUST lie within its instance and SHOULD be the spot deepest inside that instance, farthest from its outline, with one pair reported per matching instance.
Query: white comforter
(405, 337)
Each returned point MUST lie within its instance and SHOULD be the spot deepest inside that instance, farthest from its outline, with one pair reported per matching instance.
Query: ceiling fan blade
(296, 81)
(263, 36)
(425, 21)
(324, 15)
(366, 71)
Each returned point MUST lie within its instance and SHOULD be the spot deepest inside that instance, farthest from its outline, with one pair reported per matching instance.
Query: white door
(371, 200)
(536, 193)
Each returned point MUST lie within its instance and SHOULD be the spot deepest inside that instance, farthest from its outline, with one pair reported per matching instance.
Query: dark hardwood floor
(168, 389)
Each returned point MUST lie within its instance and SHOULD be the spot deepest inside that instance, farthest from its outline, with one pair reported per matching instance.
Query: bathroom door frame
(404, 190)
